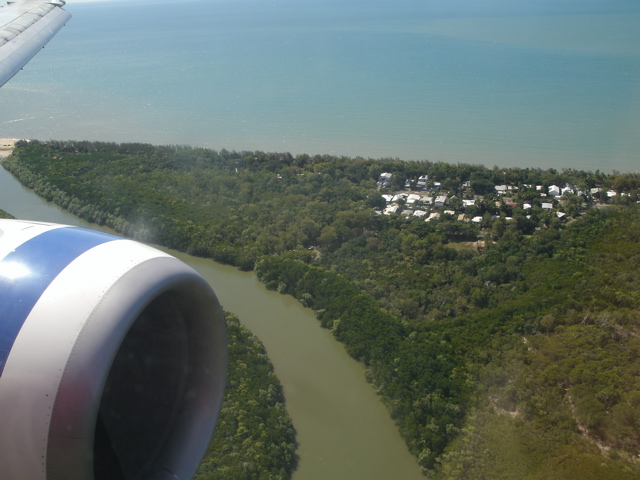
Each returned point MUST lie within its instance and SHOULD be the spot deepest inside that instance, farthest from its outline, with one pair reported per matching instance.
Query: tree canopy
(503, 337)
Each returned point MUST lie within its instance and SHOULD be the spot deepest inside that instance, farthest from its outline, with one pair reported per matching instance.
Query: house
(449, 212)
(399, 197)
(547, 206)
(566, 188)
(419, 213)
(413, 198)
(434, 215)
(387, 198)
(476, 219)
(391, 209)
(427, 200)
(384, 180)
(509, 202)
(526, 206)
(501, 189)
(441, 200)
(469, 203)
(554, 191)
(422, 181)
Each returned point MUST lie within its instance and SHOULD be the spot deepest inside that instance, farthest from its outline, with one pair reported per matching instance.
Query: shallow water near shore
(540, 85)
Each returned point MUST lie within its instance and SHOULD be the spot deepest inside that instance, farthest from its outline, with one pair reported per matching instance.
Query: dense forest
(254, 437)
(502, 333)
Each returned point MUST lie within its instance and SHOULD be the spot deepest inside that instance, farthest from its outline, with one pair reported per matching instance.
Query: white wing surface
(25, 27)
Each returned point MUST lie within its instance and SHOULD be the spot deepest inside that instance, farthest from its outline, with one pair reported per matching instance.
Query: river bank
(343, 430)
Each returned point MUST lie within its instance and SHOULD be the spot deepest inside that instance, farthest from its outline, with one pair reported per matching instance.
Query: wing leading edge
(25, 27)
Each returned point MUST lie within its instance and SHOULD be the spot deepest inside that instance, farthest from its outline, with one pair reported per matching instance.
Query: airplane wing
(25, 27)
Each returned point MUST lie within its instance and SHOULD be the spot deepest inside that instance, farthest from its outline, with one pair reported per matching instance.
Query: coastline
(6, 146)
(368, 95)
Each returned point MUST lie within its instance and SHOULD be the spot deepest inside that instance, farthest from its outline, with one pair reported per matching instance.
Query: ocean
(499, 83)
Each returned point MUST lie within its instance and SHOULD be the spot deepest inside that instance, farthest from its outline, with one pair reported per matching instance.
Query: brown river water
(343, 429)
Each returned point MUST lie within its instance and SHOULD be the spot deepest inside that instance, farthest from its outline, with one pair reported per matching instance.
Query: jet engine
(112, 358)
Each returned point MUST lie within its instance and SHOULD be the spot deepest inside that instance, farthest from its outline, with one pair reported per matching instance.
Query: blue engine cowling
(112, 358)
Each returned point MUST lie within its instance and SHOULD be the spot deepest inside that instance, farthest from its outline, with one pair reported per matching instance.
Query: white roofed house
(391, 209)
(566, 188)
(384, 180)
(413, 198)
(554, 191)
(441, 200)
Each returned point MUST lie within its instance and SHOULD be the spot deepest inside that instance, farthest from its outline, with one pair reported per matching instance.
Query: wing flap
(24, 29)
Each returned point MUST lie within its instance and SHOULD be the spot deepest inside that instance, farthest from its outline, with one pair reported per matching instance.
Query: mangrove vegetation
(497, 311)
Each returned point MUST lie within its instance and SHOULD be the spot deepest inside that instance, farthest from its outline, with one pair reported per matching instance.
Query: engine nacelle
(112, 358)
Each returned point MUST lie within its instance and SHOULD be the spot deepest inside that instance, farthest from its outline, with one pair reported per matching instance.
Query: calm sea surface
(542, 85)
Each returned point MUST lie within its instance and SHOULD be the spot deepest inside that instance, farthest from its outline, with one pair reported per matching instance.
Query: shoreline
(6, 146)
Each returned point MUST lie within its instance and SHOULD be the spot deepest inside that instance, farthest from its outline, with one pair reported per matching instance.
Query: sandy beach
(6, 146)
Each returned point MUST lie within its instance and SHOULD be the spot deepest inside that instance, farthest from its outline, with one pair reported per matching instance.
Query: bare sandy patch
(6, 146)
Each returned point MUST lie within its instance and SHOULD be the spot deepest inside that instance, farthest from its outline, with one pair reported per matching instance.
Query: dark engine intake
(112, 358)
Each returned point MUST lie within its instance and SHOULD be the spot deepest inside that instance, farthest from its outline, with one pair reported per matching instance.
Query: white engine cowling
(112, 358)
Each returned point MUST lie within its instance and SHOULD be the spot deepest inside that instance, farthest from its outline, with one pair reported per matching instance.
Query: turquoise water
(491, 82)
